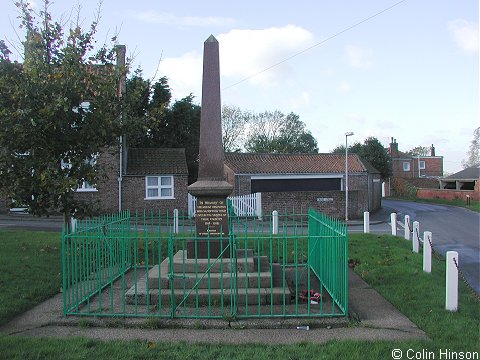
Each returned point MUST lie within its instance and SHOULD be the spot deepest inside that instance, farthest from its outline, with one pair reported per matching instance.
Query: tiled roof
(143, 161)
(471, 173)
(242, 163)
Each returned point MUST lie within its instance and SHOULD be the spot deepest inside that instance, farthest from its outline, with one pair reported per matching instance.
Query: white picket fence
(245, 205)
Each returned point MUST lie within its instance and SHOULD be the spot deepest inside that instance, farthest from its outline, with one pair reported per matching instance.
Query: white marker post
(416, 236)
(366, 222)
(427, 252)
(407, 227)
(73, 225)
(275, 222)
(451, 298)
(393, 221)
(175, 221)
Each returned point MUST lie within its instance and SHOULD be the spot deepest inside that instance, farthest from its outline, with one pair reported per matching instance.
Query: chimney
(432, 150)
(394, 148)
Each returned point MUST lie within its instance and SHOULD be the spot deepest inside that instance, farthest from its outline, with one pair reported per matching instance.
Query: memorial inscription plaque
(211, 217)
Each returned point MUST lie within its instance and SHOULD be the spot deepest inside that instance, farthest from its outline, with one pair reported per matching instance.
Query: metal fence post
(451, 296)
(407, 227)
(393, 221)
(275, 222)
(416, 236)
(427, 252)
(366, 222)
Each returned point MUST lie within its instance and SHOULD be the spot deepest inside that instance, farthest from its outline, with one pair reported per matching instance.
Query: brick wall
(329, 202)
(134, 195)
(433, 167)
(448, 194)
(105, 199)
(358, 197)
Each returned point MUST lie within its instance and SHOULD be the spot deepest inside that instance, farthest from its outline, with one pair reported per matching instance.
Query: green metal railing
(136, 264)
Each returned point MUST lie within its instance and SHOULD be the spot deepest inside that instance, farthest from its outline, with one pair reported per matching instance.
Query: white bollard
(427, 252)
(275, 222)
(73, 224)
(366, 222)
(407, 227)
(416, 236)
(451, 298)
(175, 221)
(393, 220)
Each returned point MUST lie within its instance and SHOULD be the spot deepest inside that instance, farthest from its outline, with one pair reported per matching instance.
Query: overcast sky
(384, 68)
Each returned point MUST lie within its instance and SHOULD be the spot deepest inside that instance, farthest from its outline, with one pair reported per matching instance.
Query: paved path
(378, 320)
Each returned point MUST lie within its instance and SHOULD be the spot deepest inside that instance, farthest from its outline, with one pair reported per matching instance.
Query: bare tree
(473, 154)
(234, 127)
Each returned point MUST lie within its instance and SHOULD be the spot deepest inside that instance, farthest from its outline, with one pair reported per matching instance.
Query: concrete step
(194, 284)
(183, 264)
(204, 297)
(159, 277)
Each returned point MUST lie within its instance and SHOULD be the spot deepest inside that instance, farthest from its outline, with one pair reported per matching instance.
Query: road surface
(453, 229)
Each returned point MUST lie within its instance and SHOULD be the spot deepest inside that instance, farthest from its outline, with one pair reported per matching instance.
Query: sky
(406, 69)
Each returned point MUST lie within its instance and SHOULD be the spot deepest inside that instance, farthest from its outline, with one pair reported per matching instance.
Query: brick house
(152, 179)
(408, 166)
(301, 181)
(412, 172)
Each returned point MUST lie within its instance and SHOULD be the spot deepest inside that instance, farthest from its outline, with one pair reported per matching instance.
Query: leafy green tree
(146, 110)
(137, 102)
(372, 151)
(59, 106)
(182, 129)
(273, 132)
(473, 154)
(151, 120)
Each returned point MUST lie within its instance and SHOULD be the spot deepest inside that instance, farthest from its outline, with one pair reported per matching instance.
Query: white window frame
(159, 187)
(420, 163)
(406, 166)
(86, 187)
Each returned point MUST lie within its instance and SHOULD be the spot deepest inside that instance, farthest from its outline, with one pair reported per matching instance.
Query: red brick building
(301, 181)
(151, 179)
(408, 166)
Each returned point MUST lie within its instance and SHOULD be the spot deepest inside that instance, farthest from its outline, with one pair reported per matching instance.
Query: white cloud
(344, 87)
(243, 53)
(184, 74)
(300, 101)
(465, 35)
(358, 57)
(156, 17)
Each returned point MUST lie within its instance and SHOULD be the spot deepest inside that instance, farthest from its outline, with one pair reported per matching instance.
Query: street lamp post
(347, 134)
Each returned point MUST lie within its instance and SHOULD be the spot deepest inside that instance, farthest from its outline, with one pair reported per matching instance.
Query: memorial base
(208, 248)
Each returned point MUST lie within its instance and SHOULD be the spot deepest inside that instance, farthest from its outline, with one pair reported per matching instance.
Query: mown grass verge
(30, 270)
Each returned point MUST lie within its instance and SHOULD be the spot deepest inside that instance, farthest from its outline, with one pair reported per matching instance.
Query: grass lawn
(30, 270)
(385, 262)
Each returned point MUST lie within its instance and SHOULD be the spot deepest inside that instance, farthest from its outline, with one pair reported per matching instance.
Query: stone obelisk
(211, 189)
